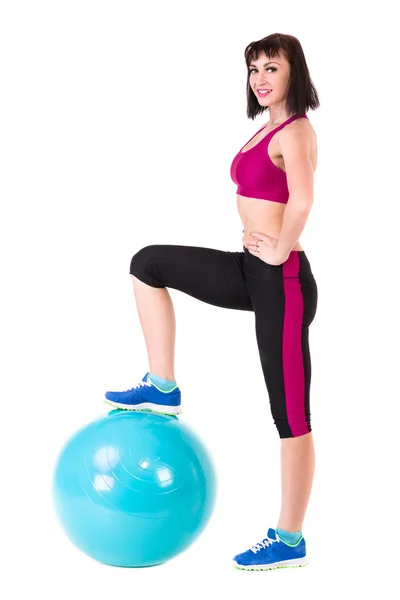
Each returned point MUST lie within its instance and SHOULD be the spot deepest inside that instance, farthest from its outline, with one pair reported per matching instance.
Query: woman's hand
(264, 247)
(270, 241)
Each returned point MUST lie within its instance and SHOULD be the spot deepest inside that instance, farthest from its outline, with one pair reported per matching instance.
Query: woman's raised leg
(210, 275)
(157, 318)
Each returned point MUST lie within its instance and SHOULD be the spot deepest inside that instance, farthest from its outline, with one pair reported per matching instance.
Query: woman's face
(269, 74)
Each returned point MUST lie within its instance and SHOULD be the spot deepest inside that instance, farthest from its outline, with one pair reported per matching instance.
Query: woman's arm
(295, 146)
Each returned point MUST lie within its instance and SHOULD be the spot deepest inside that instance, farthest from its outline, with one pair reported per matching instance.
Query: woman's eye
(269, 69)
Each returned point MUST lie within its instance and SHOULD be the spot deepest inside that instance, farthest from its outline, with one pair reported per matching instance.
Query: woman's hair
(301, 93)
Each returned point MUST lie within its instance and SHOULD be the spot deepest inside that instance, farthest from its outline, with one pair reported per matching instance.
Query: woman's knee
(292, 427)
(142, 262)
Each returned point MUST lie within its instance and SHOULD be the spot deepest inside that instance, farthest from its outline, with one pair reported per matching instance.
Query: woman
(272, 277)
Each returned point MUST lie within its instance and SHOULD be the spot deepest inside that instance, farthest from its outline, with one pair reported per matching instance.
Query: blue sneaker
(147, 396)
(272, 553)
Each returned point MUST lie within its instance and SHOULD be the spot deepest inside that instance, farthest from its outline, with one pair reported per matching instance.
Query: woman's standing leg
(285, 301)
(297, 474)
(298, 453)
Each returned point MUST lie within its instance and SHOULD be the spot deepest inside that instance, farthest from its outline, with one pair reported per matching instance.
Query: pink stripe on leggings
(293, 366)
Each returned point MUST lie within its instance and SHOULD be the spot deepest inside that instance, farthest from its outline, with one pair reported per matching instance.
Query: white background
(119, 122)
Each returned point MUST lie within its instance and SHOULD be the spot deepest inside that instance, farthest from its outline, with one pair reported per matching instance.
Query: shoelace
(140, 384)
(265, 542)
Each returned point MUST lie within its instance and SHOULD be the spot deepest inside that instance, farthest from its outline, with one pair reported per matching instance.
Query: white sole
(169, 410)
(294, 562)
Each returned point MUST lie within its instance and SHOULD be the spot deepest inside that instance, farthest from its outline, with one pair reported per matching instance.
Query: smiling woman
(271, 277)
(282, 157)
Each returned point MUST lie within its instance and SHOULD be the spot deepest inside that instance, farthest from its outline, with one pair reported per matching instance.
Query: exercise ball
(134, 489)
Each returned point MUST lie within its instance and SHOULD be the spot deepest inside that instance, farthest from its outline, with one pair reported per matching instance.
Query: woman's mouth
(263, 93)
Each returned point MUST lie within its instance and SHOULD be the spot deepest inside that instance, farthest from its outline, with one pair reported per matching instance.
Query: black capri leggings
(282, 297)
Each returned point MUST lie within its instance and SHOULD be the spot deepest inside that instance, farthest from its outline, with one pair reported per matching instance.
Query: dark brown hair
(301, 93)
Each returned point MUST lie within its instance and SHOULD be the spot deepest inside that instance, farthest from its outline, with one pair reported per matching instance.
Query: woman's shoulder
(303, 124)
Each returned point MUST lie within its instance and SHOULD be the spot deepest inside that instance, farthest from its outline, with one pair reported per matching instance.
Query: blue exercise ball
(134, 489)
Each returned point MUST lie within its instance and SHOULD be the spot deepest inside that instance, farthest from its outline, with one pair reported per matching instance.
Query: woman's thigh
(212, 276)
(284, 298)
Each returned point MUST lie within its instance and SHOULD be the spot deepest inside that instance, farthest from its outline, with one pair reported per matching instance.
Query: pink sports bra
(256, 175)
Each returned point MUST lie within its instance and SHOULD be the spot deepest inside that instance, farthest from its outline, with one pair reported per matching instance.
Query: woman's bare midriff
(266, 216)
(261, 215)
